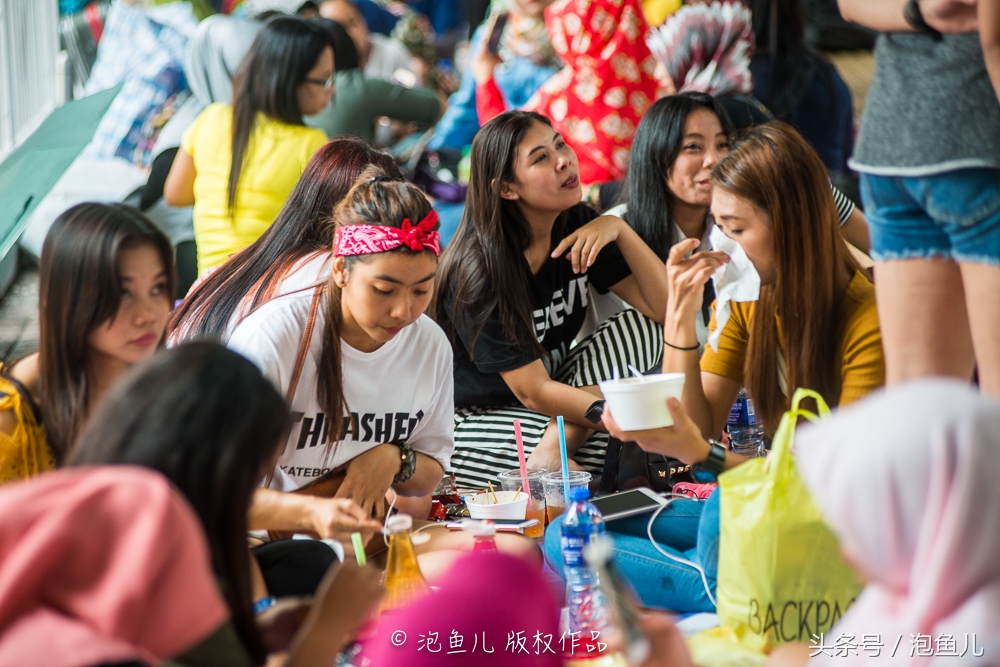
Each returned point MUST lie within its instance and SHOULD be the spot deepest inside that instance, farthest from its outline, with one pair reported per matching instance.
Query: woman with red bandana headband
(597, 99)
(367, 374)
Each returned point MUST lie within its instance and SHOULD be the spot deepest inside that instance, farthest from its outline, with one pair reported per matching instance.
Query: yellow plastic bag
(781, 576)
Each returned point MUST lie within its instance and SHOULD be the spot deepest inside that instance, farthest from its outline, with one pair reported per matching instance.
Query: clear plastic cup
(555, 494)
(511, 480)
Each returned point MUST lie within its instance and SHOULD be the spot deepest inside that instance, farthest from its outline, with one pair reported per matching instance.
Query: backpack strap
(300, 360)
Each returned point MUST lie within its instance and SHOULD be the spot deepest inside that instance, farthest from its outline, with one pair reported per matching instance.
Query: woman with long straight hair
(209, 421)
(513, 304)
(668, 189)
(106, 286)
(814, 326)
(373, 389)
(294, 252)
(238, 163)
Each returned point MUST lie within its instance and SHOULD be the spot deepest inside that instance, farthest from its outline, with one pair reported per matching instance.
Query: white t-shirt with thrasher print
(403, 391)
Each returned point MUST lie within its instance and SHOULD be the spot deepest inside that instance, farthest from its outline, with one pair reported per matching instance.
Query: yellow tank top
(25, 452)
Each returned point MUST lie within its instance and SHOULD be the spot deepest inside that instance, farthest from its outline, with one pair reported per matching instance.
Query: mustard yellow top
(862, 367)
(25, 452)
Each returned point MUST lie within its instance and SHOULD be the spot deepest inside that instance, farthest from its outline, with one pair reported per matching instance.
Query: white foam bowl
(509, 505)
(638, 404)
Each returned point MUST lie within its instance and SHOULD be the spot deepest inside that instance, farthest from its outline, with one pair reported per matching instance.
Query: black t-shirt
(559, 301)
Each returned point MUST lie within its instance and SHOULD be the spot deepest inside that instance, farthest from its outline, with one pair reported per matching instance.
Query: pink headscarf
(102, 565)
(909, 479)
(486, 599)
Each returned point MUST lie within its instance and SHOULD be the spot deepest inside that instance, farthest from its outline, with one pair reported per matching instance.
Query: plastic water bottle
(589, 614)
(746, 436)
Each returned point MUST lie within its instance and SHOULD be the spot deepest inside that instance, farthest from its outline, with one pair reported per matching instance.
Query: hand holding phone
(496, 32)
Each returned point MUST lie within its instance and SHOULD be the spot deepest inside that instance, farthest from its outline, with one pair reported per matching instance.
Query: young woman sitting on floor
(513, 304)
(210, 422)
(368, 376)
(106, 286)
(826, 338)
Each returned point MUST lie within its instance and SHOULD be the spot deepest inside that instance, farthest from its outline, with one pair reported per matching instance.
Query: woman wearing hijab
(597, 99)
(70, 600)
(917, 519)
(484, 603)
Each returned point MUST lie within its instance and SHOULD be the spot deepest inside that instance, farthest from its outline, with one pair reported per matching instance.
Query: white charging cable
(677, 559)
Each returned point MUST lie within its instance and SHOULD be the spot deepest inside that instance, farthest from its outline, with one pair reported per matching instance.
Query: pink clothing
(908, 480)
(485, 600)
(102, 565)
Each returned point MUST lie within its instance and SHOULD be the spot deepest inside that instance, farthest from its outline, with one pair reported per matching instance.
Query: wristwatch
(594, 412)
(707, 471)
(408, 462)
(913, 17)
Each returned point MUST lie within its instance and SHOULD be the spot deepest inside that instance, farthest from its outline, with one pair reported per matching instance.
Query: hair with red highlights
(304, 226)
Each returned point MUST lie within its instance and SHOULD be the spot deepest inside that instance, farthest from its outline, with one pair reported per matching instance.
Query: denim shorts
(955, 214)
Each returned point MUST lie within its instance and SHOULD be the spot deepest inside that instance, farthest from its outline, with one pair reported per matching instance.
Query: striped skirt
(484, 437)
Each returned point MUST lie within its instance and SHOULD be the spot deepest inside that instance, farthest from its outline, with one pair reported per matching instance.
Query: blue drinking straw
(562, 455)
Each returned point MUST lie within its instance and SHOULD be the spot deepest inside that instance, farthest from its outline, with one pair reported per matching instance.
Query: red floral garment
(597, 99)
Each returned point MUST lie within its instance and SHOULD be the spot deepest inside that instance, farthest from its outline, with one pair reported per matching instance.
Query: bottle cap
(579, 493)
(399, 523)
(485, 528)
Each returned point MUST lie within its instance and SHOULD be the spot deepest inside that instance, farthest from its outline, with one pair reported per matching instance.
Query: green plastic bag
(781, 576)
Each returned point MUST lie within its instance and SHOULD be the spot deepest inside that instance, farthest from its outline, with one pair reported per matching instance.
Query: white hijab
(909, 480)
(214, 54)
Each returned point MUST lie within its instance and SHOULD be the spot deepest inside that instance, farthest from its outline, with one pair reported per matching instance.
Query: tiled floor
(19, 317)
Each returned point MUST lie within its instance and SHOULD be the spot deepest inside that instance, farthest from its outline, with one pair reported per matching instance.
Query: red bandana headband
(369, 239)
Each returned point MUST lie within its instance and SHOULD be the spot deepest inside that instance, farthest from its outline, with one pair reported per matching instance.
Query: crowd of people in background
(377, 234)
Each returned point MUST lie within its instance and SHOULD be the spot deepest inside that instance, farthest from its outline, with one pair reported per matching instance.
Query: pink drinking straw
(521, 459)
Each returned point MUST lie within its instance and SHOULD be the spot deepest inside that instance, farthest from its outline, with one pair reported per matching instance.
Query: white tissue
(736, 281)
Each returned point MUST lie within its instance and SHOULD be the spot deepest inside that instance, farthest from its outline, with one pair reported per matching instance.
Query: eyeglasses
(326, 83)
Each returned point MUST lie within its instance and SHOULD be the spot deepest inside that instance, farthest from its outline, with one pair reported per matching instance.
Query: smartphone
(493, 43)
(503, 525)
(628, 503)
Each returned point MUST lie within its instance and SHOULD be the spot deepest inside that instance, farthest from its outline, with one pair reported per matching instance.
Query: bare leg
(922, 315)
(419, 507)
(982, 297)
(445, 546)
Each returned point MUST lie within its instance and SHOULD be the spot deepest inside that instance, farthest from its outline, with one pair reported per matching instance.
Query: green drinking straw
(359, 549)
(562, 455)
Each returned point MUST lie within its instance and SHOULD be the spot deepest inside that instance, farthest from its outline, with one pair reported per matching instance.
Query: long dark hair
(253, 275)
(375, 199)
(777, 171)
(484, 266)
(205, 418)
(279, 59)
(345, 51)
(656, 144)
(80, 288)
(779, 26)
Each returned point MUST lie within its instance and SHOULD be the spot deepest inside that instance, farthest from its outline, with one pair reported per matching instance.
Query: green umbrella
(28, 173)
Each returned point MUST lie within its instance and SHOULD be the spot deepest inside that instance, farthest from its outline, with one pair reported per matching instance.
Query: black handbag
(626, 466)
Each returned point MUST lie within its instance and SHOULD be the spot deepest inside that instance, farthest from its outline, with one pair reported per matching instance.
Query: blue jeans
(955, 214)
(688, 529)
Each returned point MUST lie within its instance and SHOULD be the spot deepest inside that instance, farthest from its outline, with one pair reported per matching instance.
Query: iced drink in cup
(511, 480)
(555, 494)
(640, 403)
